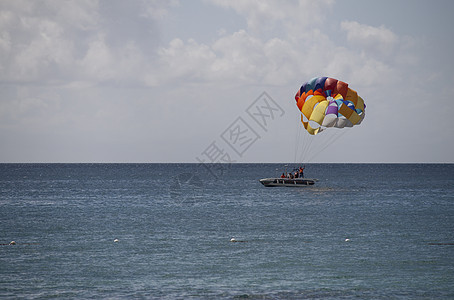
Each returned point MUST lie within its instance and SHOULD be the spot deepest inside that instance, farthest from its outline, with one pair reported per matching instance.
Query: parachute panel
(308, 106)
(318, 113)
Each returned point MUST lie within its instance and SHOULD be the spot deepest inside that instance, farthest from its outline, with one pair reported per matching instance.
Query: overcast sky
(188, 81)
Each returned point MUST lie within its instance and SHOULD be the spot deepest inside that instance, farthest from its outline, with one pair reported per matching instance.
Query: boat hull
(296, 182)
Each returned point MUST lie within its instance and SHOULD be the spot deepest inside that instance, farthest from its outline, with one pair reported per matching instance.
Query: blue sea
(163, 231)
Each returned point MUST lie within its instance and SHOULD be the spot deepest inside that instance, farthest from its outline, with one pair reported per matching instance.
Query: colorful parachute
(328, 102)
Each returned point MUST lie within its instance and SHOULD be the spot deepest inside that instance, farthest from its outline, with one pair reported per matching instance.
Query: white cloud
(236, 58)
(294, 16)
(183, 60)
(59, 42)
(99, 62)
(40, 38)
(70, 42)
(73, 42)
(157, 9)
(239, 56)
(48, 49)
(369, 38)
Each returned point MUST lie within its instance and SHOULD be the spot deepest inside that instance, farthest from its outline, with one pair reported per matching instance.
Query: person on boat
(296, 174)
(301, 171)
(283, 175)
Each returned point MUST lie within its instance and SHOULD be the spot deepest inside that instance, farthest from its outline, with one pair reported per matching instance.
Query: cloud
(187, 61)
(40, 37)
(60, 42)
(236, 58)
(157, 9)
(118, 43)
(369, 38)
(293, 16)
(244, 58)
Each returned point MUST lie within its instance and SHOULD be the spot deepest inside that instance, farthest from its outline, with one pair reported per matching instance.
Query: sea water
(364, 231)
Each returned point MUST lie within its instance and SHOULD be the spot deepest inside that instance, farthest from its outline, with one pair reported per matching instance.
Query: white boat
(295, 182)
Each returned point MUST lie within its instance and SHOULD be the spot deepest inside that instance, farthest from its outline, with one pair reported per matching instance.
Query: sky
(214, 80)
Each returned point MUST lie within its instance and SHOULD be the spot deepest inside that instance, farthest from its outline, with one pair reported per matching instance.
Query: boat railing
(293, 181)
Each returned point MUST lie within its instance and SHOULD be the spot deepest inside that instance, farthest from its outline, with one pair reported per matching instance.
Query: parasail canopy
(328, 102)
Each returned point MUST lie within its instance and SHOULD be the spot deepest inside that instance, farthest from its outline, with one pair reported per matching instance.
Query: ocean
(163, 231)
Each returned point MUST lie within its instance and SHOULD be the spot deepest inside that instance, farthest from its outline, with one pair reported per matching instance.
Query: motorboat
(289, 182)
